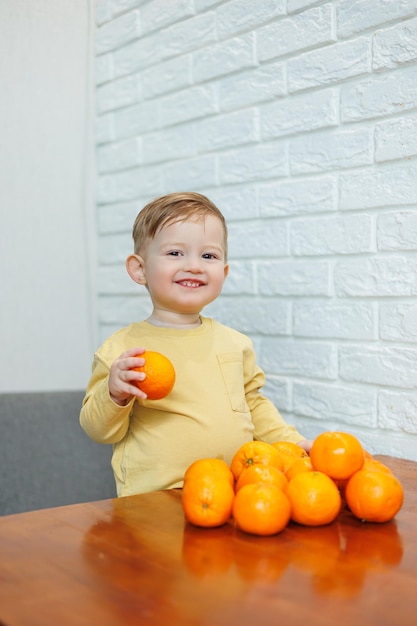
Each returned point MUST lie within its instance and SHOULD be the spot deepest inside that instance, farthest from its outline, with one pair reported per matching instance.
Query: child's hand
(122, 376)
(306, 444)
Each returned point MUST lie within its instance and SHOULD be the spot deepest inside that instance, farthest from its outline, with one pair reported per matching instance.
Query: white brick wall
(299, 118)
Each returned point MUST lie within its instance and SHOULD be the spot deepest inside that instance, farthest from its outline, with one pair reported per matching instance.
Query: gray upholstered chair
(46, 459)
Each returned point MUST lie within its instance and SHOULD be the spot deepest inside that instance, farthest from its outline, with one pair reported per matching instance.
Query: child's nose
(193, 264)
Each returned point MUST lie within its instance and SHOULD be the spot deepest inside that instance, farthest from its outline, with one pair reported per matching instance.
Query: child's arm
(269, 424)
(110, 394)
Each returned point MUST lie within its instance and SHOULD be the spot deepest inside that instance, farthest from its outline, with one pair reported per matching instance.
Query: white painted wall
(46, 210)
(299, 118)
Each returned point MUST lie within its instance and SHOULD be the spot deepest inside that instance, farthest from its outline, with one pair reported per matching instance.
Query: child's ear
(135, 266)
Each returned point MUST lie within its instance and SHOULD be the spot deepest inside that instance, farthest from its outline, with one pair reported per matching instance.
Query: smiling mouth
(193, 284)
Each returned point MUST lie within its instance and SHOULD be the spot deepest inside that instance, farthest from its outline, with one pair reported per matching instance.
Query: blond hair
(173, 207)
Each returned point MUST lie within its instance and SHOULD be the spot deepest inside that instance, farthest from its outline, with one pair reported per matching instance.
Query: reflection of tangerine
(374, 496)
(262, 474)
(337, 454)
(315, 499)
(317, 548)
(207, 500)
(261, 559)
(254, 453)
(374, 544)
(343, 580)
(365, 547)
(210, 466)
(160, 375)
(261, 509)
(319, 551)
(207, 552)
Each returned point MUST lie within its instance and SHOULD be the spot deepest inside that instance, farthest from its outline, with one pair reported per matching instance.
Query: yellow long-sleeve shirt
(214, 408)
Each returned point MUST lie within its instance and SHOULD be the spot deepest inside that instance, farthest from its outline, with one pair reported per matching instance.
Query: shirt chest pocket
(231, 368)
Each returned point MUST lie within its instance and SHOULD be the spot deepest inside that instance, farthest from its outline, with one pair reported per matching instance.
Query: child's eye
(174, 253)
(210, 255)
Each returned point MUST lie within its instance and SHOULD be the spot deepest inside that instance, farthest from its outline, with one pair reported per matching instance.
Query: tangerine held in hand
(160, 375)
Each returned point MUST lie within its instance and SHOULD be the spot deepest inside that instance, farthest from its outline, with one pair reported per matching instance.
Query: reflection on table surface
(135, 558)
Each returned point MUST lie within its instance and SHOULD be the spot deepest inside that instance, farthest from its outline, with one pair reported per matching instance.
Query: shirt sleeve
(102, 419)
(269, 424)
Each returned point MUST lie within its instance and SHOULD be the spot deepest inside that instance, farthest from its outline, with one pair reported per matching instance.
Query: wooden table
(134, 560)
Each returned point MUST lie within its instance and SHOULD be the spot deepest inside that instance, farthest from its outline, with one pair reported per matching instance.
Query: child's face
(184, 265)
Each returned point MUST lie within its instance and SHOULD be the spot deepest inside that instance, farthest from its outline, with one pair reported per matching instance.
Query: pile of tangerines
(267, 485)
